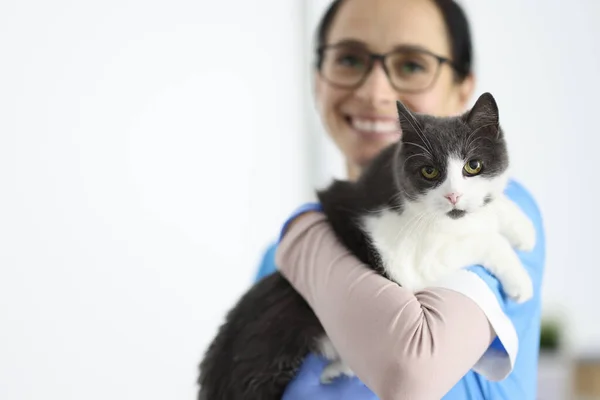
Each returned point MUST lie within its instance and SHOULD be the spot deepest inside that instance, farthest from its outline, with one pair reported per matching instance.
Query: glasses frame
(373, 57)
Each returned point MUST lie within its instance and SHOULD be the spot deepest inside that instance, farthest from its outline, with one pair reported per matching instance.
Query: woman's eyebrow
(350, 42)
(360, 44)
(411, 47)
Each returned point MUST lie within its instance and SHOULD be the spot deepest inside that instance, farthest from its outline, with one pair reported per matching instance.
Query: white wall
(149, 151)
(327, 160)
(541, 61)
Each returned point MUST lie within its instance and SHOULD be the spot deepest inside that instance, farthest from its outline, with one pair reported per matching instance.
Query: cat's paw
(527, 237)
(523, 234)
(334, 370)
(519, 287)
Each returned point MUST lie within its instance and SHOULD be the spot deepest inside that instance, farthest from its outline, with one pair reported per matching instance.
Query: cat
(431, 204)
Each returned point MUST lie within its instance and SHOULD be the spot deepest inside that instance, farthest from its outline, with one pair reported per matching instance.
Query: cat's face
(453, 166)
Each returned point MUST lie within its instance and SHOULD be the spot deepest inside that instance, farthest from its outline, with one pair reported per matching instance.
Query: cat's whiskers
(427, 219)
(474, 132)
(418, 128)
(401, 195)
(406, 229)
(480, 138)
(419, 146)
(475, 149)
(411, 225)
(408, 158)
(397, 182)
(417, 224)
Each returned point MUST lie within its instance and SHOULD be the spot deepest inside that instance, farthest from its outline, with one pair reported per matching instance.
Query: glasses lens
(344, 65)
(412, 70)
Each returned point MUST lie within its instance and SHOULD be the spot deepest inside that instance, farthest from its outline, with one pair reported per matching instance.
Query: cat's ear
(484, 114)
(402, 110)
(408, 123)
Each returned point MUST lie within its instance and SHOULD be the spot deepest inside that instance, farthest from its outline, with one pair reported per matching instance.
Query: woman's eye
(350, 61)
(410, 67)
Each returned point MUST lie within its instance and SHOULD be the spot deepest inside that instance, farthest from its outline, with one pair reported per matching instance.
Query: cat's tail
(261, 345)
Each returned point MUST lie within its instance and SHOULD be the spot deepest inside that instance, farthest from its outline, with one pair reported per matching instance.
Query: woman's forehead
(385, 24)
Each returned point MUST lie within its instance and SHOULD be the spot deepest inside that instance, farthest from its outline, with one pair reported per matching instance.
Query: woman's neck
(353, 171)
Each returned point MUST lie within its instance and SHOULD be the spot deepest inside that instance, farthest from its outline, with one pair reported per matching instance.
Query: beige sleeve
(402, 345)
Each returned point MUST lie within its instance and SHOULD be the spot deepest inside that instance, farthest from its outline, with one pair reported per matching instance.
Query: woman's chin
(369, 149)
(364, 155)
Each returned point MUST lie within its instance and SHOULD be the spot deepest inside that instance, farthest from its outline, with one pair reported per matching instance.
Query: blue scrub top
(518, 323)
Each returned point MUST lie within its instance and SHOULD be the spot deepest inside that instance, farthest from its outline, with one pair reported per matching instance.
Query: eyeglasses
(409, 69)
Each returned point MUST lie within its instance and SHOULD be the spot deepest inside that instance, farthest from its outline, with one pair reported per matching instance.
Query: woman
(459, 340)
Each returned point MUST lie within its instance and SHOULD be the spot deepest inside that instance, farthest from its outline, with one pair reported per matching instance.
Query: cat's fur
(401, 225)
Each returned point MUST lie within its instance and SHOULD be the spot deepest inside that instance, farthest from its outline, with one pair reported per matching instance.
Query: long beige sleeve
(402, 345)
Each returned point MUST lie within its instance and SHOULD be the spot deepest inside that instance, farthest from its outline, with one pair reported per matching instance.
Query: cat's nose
(453, 198)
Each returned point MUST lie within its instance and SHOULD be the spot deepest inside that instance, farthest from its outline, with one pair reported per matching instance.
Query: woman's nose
(376, 87)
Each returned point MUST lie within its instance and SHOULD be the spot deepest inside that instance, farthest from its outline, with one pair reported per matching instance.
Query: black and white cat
(425, 207)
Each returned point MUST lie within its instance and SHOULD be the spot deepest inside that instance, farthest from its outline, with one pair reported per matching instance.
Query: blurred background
(150, 151)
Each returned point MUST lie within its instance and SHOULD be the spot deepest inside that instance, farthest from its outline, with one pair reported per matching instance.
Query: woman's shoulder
(267, 262)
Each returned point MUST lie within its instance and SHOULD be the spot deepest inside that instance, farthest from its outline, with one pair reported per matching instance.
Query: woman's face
(363, 120)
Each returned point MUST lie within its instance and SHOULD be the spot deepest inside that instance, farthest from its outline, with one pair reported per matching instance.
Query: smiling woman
(369, 55)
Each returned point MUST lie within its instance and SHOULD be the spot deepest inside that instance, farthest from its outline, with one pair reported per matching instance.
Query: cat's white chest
(409, 243)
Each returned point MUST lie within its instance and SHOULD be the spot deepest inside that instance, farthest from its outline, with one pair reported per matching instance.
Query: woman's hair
(457, 27)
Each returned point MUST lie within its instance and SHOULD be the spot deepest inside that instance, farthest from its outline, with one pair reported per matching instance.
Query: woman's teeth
(378, 126)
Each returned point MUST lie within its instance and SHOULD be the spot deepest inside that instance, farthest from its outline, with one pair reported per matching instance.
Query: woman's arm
(399, 343)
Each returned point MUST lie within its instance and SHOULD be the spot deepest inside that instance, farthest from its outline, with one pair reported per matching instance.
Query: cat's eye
(430, 172)
(473, 167)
